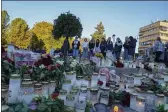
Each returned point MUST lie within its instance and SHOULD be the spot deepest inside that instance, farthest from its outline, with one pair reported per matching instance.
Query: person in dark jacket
(126, 47)
(65, 47)
(132, 46)
(91, 47)
(109, 47)
(103, 47)
(75, 47)
(118, 48)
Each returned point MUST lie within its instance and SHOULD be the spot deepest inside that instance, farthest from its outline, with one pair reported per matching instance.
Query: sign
(23, 59)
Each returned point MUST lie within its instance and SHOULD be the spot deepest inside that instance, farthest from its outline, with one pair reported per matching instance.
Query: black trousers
(157, 56)
(103, 53)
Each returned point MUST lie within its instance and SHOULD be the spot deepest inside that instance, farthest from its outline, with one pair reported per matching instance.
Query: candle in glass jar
(38, 89)
(104, 98)
(27, 92)
(45, 89)
(79, 81)
(52, 87)
(70, 101)
(94, 80)
(140, 104)
(159, 99)
(83, 92)
(62, 95)
(67, 85)
(93, 95)
(103, 79)
(14, 87)
(74, 94)
(133, 101)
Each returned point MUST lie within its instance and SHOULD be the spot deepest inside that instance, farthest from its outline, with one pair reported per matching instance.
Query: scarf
(119, 43)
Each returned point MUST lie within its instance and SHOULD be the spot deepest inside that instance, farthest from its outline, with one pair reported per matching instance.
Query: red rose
(54, 95)
(9, 60)
(100, 83)
(50, 67)
(57, 65)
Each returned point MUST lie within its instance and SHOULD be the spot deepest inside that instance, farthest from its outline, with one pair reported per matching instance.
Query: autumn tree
(99, 33)
(4, 26)
(43, 31)
(67, 25)
(19, 33)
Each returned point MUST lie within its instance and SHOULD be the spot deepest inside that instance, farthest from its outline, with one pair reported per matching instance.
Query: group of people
(108, 48)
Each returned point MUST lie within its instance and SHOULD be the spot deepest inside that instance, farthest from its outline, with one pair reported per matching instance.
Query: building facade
(148, 35)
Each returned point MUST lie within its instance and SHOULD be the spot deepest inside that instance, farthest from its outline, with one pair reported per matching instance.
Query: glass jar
(70, 76)
(94, 80)
(14, 87)
(140, 104)
(80, 106)
(103, 79)
(62, 95)
(86, 81)
(74, 94)
(79, 81)
(83, 92)
(52, 87)
(93, 95)
(104, 98)
(88, 93)
(27, 92)
(4, 93)
(45, 89)
(105, 90)
(133, 101)
(67, 85)
(159, 99)
(70, 101)
(26, 76)
(38, 89)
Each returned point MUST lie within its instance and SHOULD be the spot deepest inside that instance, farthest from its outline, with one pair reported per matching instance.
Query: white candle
(37, 90)
(94, 80)
(14, 87)
(159, 99)
(79, 81)
(62, 95)
(70, 101)
(83, 92)
(103, 79)
(67, 85)
(165, 76)
(137, 80)
(104, 98)
(133, 101)
(52, 87)
(140, 104)
(93, 94)
(27, 91)
(45, 89)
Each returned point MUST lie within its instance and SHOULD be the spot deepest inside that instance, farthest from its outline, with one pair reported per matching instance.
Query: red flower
(57, 65)
(54, 95)
(100, 83)
(50, 67)
(9, 60)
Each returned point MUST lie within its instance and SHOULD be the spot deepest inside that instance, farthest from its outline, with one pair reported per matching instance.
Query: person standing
(85, 48)
(126, 47)
(118, 48)
(158, 49)
(97, 47)
(91, 47)
(75, 47)
(109, 48)
(132, 46)
(65, 47)
(103, 47)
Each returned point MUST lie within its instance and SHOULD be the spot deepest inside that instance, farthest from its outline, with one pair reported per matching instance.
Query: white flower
(56, 56)
(42, 66)
(60, 62)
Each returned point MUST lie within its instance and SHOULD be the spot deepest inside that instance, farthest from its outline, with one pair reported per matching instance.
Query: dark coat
(132, 46)
(117, 48)
(91, 45)
(126, 45)
(78, 44)
(103, 46)
(65, 47)
(109, 46)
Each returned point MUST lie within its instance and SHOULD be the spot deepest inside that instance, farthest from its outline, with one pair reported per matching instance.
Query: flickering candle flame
(116, 109)
(140, 103)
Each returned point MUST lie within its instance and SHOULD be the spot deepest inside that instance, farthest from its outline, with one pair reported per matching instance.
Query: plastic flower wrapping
(60, 62)
(42, 66)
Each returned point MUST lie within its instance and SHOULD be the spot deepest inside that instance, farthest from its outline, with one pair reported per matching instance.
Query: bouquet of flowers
(99, 55)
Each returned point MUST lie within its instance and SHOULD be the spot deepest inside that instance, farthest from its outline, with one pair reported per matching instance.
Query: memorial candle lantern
(150, 98)
(27, 91)
(159, 99)
(67, 85)
(52, 87)
(133, 101)
(74, 94)
(70, 76)
(93, 95)
(104, 98)
(165, 76)
(62, 95)
(38, 90)
(80, 106)
(79, 80)
(103, 79)
(4, 95)
(45, 89)
(14, 87)
(83, 92)
(161, 80)
(166, 100)
(94, 80)
(137, 79)
(140, 104)
(74, 76)
(86, 81)
(70, 101)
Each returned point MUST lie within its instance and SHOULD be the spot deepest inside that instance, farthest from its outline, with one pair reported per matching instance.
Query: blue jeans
(75, 52)
(126, 54)
(85, 52)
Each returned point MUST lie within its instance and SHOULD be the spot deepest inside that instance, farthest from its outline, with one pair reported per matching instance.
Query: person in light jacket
(85, 48)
